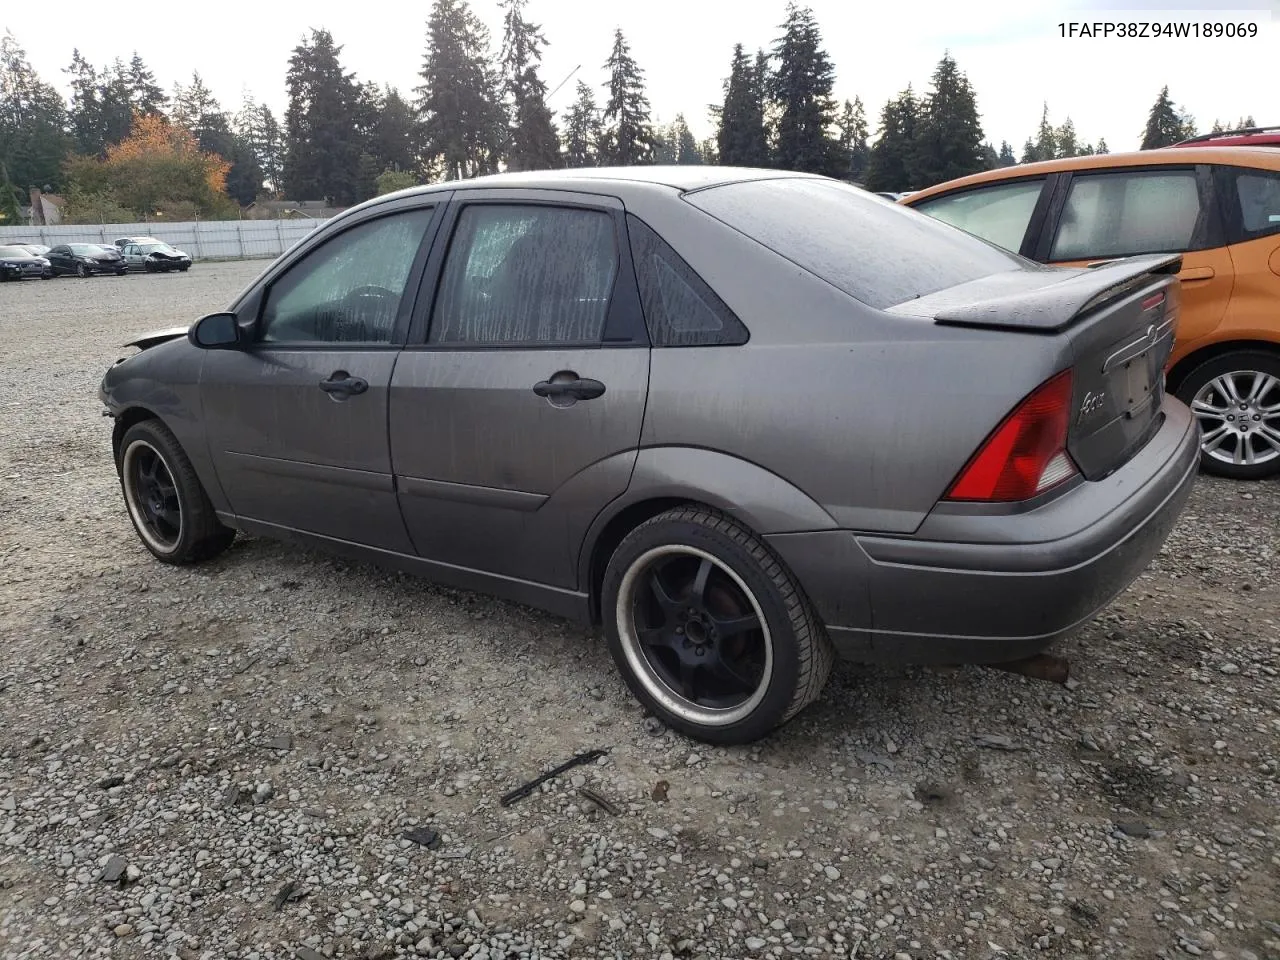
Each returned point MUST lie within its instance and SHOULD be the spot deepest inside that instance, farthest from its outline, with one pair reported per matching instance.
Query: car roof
(1264, 157)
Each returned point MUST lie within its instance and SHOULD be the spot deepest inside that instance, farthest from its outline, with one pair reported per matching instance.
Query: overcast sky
(1010, 49)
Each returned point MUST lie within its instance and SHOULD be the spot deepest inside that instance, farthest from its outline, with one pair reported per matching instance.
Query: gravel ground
(224, 761)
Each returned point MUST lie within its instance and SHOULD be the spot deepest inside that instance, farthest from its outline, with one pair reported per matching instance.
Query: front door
(297, 423)
(1122, 212)
(518, 419)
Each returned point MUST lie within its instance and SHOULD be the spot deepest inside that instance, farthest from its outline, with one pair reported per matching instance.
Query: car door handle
(578, 388)
(1196, 273)
(341, 383)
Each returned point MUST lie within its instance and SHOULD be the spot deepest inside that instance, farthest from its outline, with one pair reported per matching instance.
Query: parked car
(19, 263)
(122, 242)
(86, 259)
(743, 419)
(1217, 206)
(155, 257)
(1244, 137)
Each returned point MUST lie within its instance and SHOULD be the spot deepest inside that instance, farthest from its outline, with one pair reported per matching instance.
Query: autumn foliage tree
(158, 171)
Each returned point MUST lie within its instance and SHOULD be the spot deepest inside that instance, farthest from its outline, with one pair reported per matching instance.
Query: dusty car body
(742, 419)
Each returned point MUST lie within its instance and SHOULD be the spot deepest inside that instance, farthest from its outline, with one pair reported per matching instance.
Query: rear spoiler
(1053, 308)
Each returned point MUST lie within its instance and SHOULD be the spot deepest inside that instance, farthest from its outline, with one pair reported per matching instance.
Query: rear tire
(166, 503)
(1236, 400)
(709, 630)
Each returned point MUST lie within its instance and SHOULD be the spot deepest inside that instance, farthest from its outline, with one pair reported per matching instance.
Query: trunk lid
(1119, 319)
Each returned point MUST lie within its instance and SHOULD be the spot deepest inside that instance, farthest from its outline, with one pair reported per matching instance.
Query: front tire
(709, 630)
(169, 508)
(81, 272)
(1236, 400)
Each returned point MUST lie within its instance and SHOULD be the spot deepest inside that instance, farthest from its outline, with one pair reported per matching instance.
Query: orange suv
(1220, 208)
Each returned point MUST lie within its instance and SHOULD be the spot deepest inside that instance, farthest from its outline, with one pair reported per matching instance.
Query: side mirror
(217, 331)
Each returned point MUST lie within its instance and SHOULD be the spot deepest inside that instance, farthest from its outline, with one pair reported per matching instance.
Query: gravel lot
(223, 761)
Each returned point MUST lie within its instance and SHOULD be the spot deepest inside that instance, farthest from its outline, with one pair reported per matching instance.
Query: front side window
(999, 213)
(526, 274)
(1125, 214)
(1259, 194)
(349, 289)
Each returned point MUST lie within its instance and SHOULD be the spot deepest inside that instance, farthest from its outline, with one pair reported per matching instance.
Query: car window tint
(526, 274)
(1123, 214)
(879, 252)
(679, 308)
(998, 213)
(1259, 194)
(349, 289)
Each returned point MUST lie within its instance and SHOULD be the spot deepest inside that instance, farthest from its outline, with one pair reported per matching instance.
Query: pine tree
(892, 163)
(1006, 157)
(628, 136)
(395, 134)
(800, 89)
(33, 139)
(741, 139)
(115, 97)
(145, 95)
(949, 134)
(1044, 146)
(85, 115)
(464, 127)
(1166, 125)
(1065, 138)
(675, 143)
(321, 156)
(196, 109)
(532, 140)
(10, 215)
(1101, 148)
(261, 131)
(854, 151)
(583, 130)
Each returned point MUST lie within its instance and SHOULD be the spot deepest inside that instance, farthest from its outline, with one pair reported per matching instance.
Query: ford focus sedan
(745, 421)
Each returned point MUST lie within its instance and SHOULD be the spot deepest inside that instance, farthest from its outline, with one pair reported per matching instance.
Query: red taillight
(1027, 453)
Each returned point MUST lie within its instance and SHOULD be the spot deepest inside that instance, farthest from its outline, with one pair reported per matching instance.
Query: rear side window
(679, 308)
(523, 274)
(1258, 192)
(876, 251)
(1124, 214)
(998, 213)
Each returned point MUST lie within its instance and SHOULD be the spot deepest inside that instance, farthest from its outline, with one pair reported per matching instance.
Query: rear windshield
(877, 251)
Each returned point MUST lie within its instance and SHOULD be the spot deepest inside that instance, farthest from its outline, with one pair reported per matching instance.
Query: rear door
(297, 422)
(1251, 204)
(516, 417)
(1107, 214)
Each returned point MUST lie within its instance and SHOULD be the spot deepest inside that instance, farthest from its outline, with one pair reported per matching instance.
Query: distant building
(46, 208)
(290, 210)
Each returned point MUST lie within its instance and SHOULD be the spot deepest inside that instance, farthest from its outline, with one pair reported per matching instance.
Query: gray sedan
(743, 420)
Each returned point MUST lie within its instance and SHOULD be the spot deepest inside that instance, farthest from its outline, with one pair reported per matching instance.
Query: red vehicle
(1244, 137)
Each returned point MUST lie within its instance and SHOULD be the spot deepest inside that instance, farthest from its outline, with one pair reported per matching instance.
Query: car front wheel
(711, 633)
(169, 508)
(1236, 400)
(81, 272)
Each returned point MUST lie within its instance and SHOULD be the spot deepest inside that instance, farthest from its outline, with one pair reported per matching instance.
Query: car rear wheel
(1236, 400)
(711, 633)
(169, 508)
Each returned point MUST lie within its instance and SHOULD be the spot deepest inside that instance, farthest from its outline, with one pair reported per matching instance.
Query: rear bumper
(972, 587)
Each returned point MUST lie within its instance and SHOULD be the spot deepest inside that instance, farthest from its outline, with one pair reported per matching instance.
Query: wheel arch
(126, 419)
(1213, 351)
(668, 477)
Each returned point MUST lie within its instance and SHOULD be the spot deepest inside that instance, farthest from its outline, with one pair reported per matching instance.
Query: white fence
(204, 240)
